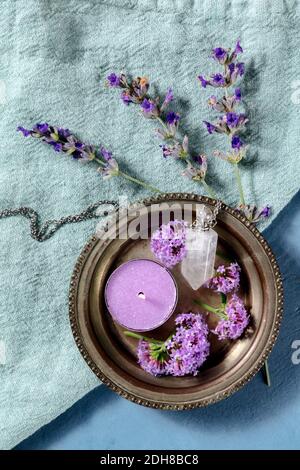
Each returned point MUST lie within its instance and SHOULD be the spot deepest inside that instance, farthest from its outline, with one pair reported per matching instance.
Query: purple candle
(141, 294)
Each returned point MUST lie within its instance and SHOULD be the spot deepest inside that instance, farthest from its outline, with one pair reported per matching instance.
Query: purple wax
(141, 295)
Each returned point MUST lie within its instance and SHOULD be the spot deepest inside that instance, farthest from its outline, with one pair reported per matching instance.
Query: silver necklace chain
(45, 231)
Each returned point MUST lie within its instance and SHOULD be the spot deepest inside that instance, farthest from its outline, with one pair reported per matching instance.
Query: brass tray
(111, 355)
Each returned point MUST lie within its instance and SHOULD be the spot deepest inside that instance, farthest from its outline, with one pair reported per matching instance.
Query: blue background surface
(257, 417)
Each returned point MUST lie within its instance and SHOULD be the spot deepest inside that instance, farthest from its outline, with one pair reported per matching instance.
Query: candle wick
(141, 295)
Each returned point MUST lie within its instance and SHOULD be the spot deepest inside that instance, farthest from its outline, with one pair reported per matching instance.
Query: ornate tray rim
(79, 340)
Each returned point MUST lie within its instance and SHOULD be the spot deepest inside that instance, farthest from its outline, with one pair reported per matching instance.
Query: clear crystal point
(198, 265)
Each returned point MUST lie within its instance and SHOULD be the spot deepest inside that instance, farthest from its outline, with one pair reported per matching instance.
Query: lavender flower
(232, 119)
(133, 92)
(236, 142)
(168, 243)
(235, 320)
(196, 173)
(224, 56)
(253, 213)
(189, 347)
(25, 132)
(172, 118)
(238, 50)
(168, 98)
(113, 80)
(229, 124)
(111, 167)
(232, 69)
(226, 279)
(177, 150)
(235, 156)
(238, 94)
(61, 140)
(210, 127)
(226, 103)
(203, 81)
(152, 357)
(149, 108)
(217, 80)
(220, 54)
(126, 98)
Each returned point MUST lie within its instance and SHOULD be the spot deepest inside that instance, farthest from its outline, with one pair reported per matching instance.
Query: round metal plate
(111, 355)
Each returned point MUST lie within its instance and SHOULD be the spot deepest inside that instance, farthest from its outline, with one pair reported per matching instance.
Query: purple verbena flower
(150, 359)
(235, 322)
(168, 243)
(226, 279)
(189, 347)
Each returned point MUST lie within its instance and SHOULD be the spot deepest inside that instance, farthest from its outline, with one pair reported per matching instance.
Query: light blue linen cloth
(53, 62)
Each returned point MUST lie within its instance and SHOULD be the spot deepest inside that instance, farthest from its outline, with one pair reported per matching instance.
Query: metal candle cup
(141, 295)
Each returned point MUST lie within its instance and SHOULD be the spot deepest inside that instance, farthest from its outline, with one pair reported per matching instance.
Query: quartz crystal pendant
(198, 265)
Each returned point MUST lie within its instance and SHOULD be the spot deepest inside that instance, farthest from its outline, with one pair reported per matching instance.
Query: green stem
(206, 186)
(208, 189)
(162, 123)
(131, 334)
(209, 308)
(99, 161)
(267, 374)
(223, 298)
(141, 183)
(239, 182)
(132, 179)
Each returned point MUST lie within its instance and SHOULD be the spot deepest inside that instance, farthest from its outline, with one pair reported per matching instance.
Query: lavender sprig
(136, 91)
(62, 140)
(231, 122)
